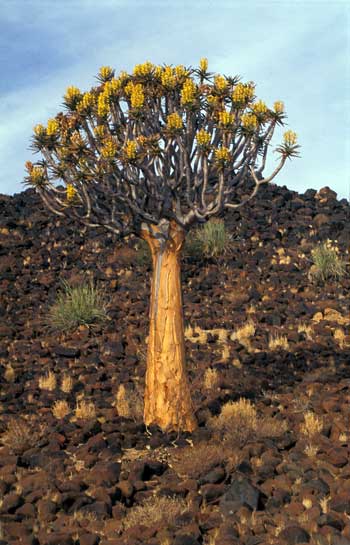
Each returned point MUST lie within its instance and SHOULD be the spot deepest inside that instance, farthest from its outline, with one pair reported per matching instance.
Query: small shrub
(312, 425)
(155, 511)
(277, 342)
(243, 333)
(67, 384)
(211, 379)
(129, 403)
(191, 462)
(79, 305)
(85, 410)
(237, 422)
(48, 382)
(21, 435)
(210, 241)
(327, 263)
(60, 409)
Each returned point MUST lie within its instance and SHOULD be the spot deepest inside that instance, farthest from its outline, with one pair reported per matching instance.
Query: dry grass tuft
(243, 333)
(48, 382)
(129, 403)
(312, 425)
(211, 379)
(236, 423)
(155, 511)
(9, 374)
(278, 342)
(85, 410)
(21, 435)
(271, 427)
(67, 384)
(307, 329)
(191, 462)
(60, 409)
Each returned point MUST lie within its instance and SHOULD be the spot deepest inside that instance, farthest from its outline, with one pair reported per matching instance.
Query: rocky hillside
(257, 327)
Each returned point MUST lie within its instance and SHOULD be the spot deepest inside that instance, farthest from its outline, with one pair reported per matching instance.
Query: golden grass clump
(191, 462)
(236, 423)
(278, 342)
(66, 384)
(20, 435)
(60, 409)
(312, 425)
(155, 511)
(9, 374)
(129, 403)
(307, 329)
(211, 379)
(48, 381)
(243, 333)
(327, 263)
(85, 410)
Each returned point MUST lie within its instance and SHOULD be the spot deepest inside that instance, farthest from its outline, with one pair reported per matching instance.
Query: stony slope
(76, 480)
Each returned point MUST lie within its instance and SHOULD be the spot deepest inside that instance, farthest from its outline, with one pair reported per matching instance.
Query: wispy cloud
(294, 51)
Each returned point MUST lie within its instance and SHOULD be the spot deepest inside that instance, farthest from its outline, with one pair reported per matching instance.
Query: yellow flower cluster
(109, 148)
(144, 69)
(222, 154)
(168, 78)
(77, 139)
(203, 64)
(106, 72)
(180, 71)
(39, 130)
(243, 92)
(203, 138)
(188, 92)
(260, 107)
(226, 118)
(174, 121)
(52, 127)
(99, 131)
(37, 174)
(112, 87)
(70, 192)
(131, 149)
(137, 96)
(290, 138)
(86, 102)
(123, 76)
(220, 82)
(72, 93)
(103, 104)
(249, 121)
(278, 107)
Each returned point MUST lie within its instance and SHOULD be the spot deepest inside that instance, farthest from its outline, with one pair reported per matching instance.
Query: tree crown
(162, 143)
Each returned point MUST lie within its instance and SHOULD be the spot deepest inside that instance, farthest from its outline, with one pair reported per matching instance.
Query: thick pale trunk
(167, 395)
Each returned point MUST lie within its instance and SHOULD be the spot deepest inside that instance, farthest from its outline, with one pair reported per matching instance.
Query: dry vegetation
(157, 510)
(85, 410)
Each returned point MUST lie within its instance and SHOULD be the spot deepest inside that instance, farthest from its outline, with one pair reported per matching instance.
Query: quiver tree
(151, 154)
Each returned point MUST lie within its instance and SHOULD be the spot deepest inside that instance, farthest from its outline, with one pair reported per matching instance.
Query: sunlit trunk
(167, 395)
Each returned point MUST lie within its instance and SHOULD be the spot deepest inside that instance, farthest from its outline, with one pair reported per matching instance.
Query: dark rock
(293, 535)
(66, 352)
(241, 492)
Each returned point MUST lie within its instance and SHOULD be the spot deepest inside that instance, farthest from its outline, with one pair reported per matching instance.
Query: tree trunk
(167, 395)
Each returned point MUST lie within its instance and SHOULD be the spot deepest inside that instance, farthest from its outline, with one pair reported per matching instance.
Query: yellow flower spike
(39, 130)
(260, 107)
(128, 89)
(137, 96)
(29, 166)
(174, 121)
(249, 121)
(226, 118)
(131, 149)
(72, 93)
(103, 105)
(37, 174)
(158, 72)
(144, 69)
(203, 64)
(203, 138)
(290, 138)
(123, 76)
(243, 92)
(278, 107)
(222, 155)
(180, 71)
(106, 72)
(70, 192)
(220, 82)
(188, 92)
(109, 148)
(168, 77)
(52, 127)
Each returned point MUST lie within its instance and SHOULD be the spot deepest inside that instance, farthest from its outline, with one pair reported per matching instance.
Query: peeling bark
(167, 395)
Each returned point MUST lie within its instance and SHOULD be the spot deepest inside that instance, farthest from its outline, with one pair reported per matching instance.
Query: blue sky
(295, 51)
